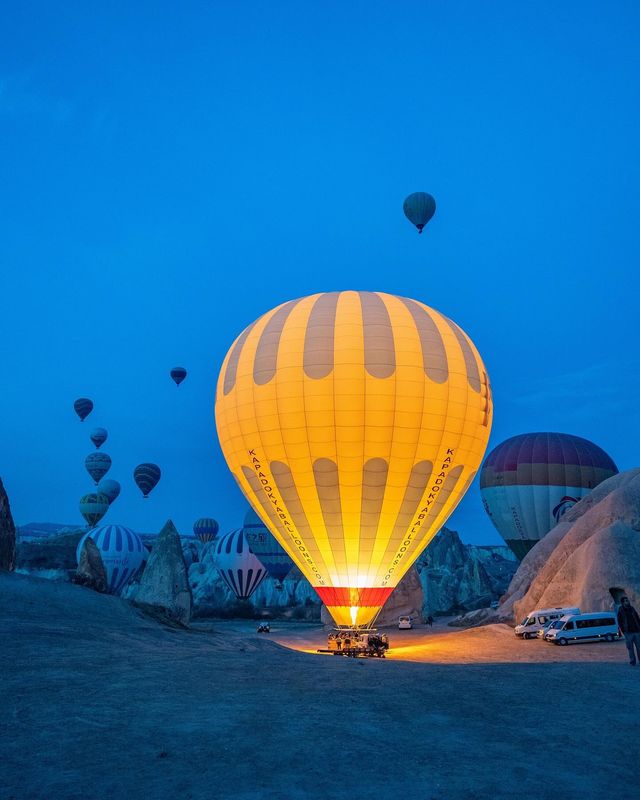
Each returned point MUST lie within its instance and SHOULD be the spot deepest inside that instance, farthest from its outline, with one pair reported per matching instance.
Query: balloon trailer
(356, 643)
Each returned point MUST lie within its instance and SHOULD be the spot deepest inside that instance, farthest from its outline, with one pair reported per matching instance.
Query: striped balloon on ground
(146, 477)
(263, 544)
(240, 569)
(354, 422)
(93, 507)
(206, 529)
(529, 481)
(83, 407)
(97, 465)
(122, 553)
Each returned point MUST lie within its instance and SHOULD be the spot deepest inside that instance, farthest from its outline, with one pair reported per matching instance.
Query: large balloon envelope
(178, 374)
(418, 208)
(93, 507)
(240, 569)
(264, 545)
(529, 481)
(354, 422)
(146, 477)
(97, 464)
(109, 488)
(83, 407)
(98, 436)
(122, 553)
(206, 529)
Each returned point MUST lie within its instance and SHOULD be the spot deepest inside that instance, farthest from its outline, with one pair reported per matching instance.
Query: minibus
(536, 620)
(599, 625)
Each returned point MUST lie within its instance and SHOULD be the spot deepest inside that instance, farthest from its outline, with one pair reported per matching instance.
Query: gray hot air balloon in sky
(97, 464)
(418, 208)
(98, 436)
(110, 488)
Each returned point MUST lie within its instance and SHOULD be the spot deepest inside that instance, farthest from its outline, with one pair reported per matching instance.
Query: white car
(599, 625)
(536, 620)
(405, 623)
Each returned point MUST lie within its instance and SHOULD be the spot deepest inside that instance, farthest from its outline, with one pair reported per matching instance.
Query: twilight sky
(168, 172)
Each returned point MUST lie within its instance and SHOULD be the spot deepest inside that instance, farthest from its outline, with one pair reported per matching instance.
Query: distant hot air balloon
(178, 374)
(354, 422)
(206, 529)
(418, 208)
(97, 464)
(263, 544)
(240, 569)
(93, 507)
(98, 436)
(529, 481)
(122, 553)
(146, 476)
(109, 488)
(83, 407)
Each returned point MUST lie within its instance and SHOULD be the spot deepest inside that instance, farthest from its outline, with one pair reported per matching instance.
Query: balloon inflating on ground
(354, 422)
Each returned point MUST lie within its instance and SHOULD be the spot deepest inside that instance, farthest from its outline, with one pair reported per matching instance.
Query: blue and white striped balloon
(122, 553)
(240, 569)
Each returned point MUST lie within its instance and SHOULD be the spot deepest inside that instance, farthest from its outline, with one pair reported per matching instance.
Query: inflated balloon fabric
(529, 481)
(122, 553)
(240, 569)
(354, 422)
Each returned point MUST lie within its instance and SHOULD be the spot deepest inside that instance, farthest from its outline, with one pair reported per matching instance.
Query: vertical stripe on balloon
(434, 354)
(473, 372)
(234, 358)
(319, 336)
(379, 347)
(266, 357)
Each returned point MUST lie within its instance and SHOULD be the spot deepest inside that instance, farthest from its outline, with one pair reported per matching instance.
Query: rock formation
(7, 533)
(50, 557)
(456, 577)
(164, 586)
(91, 572)
(588, 559)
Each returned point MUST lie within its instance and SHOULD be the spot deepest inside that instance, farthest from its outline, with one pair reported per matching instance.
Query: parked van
(583, 627)
(405, 623)
(536, 620)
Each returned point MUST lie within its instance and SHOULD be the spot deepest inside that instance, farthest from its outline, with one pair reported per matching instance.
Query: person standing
(629, 622)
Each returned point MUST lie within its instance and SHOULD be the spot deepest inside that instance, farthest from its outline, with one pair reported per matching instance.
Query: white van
(536, 620)
(405, 623)
(583, 627)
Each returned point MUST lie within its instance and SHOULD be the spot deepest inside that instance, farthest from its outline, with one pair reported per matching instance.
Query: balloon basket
(356, 643)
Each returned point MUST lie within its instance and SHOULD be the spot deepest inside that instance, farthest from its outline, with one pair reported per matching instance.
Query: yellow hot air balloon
(354, 423)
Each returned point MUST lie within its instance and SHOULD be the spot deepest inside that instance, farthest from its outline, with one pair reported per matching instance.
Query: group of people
(350, 641)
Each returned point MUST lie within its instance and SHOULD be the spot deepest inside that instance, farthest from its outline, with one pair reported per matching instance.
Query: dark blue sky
(168, 172)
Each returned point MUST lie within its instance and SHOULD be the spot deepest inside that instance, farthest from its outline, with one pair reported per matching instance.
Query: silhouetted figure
(629, 622)
(430, 621)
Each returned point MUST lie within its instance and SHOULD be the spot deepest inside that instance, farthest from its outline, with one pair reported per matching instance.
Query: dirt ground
(97, 701)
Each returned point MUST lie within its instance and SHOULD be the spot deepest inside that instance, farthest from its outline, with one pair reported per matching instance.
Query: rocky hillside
(456, 577)
(589, 559)
(450, 577)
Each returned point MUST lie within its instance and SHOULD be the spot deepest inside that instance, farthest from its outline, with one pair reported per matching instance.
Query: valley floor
(98, 701)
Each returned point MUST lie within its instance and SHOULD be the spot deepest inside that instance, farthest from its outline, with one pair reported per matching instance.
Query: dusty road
(97, 701)
(491, 644)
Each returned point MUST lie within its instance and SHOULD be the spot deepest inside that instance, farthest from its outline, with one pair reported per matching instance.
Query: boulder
(164, 589)
(7, 533)
(91, 572)
(588, 559)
